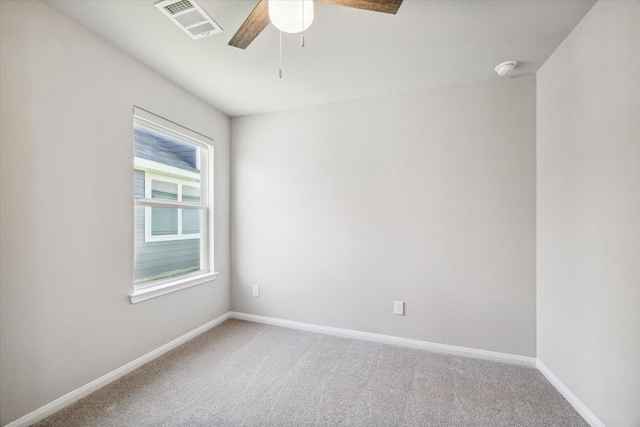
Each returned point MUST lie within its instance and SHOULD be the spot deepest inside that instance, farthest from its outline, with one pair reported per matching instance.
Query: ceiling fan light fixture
(291, 16)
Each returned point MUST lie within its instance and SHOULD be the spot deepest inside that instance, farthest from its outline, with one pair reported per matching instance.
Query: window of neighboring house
(162, 224)
(172, 181)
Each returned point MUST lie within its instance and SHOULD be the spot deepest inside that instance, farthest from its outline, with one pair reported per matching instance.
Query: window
(172, 192)
(162, 224)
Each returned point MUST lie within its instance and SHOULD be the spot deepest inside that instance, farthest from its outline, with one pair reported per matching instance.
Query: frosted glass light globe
(291, 16)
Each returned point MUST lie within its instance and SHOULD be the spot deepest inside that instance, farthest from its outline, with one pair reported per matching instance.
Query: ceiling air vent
(190, 17)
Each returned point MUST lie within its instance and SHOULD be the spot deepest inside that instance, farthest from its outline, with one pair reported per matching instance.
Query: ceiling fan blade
(259, 17)
(252, 26)
(386, 6)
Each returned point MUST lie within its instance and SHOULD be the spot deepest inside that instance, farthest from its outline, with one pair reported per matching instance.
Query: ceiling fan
(258, 19)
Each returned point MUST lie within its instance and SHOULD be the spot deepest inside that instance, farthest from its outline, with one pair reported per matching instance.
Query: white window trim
(148, 237)
(207, 272)
(158, 288)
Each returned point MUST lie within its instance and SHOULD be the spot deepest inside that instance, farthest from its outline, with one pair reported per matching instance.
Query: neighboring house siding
(183, 253)
(138, 183)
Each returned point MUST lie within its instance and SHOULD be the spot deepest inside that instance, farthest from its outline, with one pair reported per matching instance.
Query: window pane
(161, 260)
(190, 221)
(164, 190)
(164, 221)
(167, 239)
(190, 194)
(172, 155)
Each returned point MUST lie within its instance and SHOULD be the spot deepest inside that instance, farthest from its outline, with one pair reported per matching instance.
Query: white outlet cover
(398, 307)
(256, 290)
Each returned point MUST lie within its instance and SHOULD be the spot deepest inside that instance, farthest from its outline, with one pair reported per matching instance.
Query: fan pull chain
(280, 65)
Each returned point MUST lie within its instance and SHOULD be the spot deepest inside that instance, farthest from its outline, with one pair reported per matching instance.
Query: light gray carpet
(248, 374)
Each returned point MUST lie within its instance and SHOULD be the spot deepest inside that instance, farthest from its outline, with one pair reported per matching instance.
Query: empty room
(320, 213)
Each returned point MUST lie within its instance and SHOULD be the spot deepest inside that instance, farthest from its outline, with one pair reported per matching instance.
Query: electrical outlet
(256, 290)
(398, 308)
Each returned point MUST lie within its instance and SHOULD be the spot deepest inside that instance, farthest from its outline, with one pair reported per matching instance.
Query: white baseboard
(571, 398)
(439, 348)
(85, 390)
(388, 339)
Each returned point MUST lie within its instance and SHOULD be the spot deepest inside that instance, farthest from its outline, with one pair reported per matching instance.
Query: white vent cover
(190, 17)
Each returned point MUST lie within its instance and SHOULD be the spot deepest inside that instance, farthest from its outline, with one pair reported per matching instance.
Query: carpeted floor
(248, 374)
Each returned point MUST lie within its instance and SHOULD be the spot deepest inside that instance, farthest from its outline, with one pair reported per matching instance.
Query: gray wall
(66, 209)
(426, 197)
(589, 212)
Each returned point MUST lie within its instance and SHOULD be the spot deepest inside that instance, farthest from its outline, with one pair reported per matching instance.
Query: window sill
(171, 286)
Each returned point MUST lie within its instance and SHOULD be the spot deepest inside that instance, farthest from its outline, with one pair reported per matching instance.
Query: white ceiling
(349, 53)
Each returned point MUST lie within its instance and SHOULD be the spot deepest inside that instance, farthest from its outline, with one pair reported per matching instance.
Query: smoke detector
(190, 17)
(506, 68)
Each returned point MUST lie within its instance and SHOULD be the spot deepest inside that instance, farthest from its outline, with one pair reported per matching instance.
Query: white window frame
(145, 291)
(148, 236)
